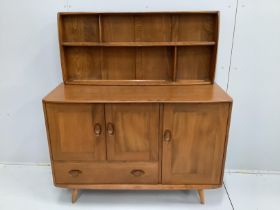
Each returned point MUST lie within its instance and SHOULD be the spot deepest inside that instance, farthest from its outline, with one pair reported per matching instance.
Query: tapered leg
(201, 196)
(75, 193)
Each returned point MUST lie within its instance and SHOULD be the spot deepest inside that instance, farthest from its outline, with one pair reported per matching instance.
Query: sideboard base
(77, 187)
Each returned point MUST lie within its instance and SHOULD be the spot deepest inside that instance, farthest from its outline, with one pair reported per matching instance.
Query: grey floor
(30, 187)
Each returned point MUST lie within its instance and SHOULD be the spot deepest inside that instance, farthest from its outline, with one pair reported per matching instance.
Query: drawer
(105, 173)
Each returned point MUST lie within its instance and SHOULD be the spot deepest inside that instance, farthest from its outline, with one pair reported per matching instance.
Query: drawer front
(105, 173)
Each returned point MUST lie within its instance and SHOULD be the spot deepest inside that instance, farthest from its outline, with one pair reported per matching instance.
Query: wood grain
(194, 27)
(194, 154)
(118, 28)
(80, 28)
(138, 47)
(106, 173)
(154, 63)
(153, 27)
(137, 94)
(138, 186)
(71, 129)
(135, 136)
(139, 108)
(118, 63)
(83, 63)
(193, 63)
(139, 44)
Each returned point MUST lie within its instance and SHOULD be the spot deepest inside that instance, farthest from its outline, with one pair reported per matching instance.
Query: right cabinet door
(194, 141)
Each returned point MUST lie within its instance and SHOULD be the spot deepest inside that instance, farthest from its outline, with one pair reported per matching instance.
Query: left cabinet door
(76, 131)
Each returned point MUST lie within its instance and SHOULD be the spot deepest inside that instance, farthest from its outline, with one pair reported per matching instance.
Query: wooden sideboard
(139, 108)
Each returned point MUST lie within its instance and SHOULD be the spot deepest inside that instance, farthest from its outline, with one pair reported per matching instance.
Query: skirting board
(239, 171)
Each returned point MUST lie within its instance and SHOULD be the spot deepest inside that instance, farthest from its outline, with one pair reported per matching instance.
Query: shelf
(138, 82)
(132, 49)
(137, 44)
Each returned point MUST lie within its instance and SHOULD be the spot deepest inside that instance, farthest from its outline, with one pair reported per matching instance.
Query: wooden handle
(75, 173)
(137, 172)
(167, 135)
(97, 129)
(110, 129)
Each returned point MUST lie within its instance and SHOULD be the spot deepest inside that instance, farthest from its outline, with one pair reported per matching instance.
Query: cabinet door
(76, 131)
(194, 139)
(132, 131)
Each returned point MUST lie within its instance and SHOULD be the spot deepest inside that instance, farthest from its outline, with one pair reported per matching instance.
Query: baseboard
(229, 171)
(242, 171)
(25, 164)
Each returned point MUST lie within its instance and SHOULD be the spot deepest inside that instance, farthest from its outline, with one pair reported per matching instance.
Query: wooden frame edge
(226, 142)
(137, 186)
(49, 139)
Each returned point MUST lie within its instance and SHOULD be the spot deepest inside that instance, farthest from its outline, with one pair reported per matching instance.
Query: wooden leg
(75, 193)
(201, 196)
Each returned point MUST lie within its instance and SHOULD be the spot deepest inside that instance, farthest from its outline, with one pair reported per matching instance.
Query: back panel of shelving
(138, 48)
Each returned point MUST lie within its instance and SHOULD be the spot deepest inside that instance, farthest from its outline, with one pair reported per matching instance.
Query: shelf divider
(100, 28)
(175, 64)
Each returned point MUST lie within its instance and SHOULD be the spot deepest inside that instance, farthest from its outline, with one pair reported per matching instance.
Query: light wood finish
(138, 47)
(138, 44)
(83, 63)
(135, 94)
(201, 196)
(79, 27)
(139, 108)
(75, 193)
(106, 172)
(135, 135)
(118, 28)
(194, 143)
(118, 63)
(76, 132)
(137, 82)
(137, 186)
(197, 59)
(154, 63)
(190, 27)
(152, 27)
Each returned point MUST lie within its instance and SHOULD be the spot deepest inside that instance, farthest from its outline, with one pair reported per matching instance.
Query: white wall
(254, 84)
(29, 68)
(29, 63)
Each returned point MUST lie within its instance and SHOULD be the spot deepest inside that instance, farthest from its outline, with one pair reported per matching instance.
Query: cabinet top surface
(137, 94)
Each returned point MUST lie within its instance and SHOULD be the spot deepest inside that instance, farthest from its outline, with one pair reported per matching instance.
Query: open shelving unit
(138, 48)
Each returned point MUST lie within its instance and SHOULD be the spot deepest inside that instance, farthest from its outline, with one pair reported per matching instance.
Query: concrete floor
(30, 187)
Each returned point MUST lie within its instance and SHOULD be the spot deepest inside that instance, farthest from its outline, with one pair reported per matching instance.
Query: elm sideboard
(138, 108)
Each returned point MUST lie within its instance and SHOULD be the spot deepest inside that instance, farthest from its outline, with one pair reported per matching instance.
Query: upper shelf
(138, 48)
(139, 44)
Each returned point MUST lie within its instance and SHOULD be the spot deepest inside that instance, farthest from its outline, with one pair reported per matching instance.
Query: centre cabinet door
(76, 131)
(194, 139)
(132, 132)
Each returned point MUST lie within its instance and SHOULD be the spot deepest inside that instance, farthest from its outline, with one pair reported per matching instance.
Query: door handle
(75, 172)
(167, 136)
(110, 129)
(137, 172)
(97, 129)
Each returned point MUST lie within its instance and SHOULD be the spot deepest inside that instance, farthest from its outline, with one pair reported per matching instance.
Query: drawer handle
(167, 135)
(97, 129)
(137, 172)
(110, 129)
(75, 173)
